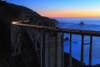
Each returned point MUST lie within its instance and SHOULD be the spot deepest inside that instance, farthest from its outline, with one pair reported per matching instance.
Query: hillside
(10, 12)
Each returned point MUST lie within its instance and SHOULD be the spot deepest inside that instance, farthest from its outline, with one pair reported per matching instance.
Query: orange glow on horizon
(73, 13)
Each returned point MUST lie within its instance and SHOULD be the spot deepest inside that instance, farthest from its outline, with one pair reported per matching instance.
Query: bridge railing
(71, 32)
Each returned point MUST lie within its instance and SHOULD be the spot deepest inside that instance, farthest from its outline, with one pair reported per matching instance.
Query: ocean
(89, 24)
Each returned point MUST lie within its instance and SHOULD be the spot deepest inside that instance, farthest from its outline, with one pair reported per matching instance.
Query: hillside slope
(10, 12)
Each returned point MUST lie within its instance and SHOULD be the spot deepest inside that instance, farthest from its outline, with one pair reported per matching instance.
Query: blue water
(90, 24)
(94, 21)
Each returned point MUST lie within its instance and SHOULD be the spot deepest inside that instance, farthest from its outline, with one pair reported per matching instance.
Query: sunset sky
(62, 8)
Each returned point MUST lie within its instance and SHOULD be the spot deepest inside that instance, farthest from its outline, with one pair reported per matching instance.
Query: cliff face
(10, 12)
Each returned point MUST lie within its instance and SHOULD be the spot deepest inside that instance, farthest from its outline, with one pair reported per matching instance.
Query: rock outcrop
(75, 63)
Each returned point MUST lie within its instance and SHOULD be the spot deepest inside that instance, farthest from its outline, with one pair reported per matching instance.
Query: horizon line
(73, 17)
